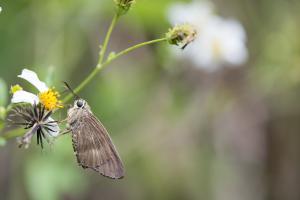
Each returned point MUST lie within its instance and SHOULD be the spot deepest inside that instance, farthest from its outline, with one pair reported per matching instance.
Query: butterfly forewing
(94, 148)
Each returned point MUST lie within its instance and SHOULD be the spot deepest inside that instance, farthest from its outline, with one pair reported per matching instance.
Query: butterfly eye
(79, 103)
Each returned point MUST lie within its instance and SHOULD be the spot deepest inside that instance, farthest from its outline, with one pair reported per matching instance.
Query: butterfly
(91, 142)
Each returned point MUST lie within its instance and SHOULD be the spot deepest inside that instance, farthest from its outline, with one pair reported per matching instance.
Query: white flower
(32, 78)
(196, 13)
(22, 96)
(47, 97)
(220, 42)
(0, 9)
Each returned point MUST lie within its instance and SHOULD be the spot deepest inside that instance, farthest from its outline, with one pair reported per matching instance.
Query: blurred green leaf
(2, 112)
(55, 174)
(2, 141)
(3, 92)
(1, 125)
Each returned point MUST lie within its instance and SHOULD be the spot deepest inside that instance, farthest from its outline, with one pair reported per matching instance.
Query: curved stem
(101, 58)
(108, 61)
(125, 51)
(20, 132)
(107, 38)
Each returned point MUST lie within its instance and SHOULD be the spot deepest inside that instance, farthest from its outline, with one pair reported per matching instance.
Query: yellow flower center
(50, 100)
(15, 88)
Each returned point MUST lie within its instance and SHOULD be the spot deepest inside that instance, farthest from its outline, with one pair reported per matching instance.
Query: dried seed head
(181, 35)
(36, 120)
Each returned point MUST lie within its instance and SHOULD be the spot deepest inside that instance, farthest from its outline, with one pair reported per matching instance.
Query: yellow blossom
(49, 99)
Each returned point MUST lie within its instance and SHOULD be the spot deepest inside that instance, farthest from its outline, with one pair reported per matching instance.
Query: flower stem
(101, 58)
(108, 61)
(125, 51)
(107, 38)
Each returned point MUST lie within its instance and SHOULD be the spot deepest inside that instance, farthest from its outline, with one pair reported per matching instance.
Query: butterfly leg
(59, 121)
(64, 132)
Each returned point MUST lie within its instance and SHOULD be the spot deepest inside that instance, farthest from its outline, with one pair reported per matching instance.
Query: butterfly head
(79, 109)
(80, 103)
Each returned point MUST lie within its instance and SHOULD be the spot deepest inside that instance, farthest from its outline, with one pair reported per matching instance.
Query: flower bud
(123, 6)
(181, 35)
(15, 88)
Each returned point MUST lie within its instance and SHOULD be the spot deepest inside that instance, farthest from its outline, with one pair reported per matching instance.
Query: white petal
(24, 97)
(55, 128)
(32, 78)
(195, 13)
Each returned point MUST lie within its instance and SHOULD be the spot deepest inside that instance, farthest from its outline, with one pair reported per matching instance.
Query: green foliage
(162, 114)
(3, 92)
(54, 172)
(2, 113)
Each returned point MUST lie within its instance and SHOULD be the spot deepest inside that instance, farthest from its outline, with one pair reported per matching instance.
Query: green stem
(107, 38)
(103, 65)
(101, 57)
(131, 49)
(20, 132)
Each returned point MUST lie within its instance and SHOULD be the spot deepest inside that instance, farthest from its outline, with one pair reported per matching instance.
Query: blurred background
(216, 121)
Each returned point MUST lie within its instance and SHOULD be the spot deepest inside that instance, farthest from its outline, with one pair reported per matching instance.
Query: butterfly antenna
(71, 90)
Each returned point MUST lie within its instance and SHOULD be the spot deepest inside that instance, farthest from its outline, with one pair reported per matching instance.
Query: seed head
(36, 120)
(123, 6)
(181, 35)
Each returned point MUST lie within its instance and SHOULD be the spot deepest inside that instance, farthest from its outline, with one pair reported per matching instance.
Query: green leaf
(3, 92)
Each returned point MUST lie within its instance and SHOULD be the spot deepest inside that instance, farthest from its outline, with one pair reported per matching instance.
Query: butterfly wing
(94, 148)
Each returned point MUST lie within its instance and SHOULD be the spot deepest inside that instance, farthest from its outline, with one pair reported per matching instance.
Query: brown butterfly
(92, 145)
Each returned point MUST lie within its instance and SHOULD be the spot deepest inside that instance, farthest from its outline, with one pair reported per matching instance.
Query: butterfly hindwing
(94, 148)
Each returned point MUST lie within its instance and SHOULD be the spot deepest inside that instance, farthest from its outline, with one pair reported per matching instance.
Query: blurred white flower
(196, 13)
(220, 42)
(0, 9)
